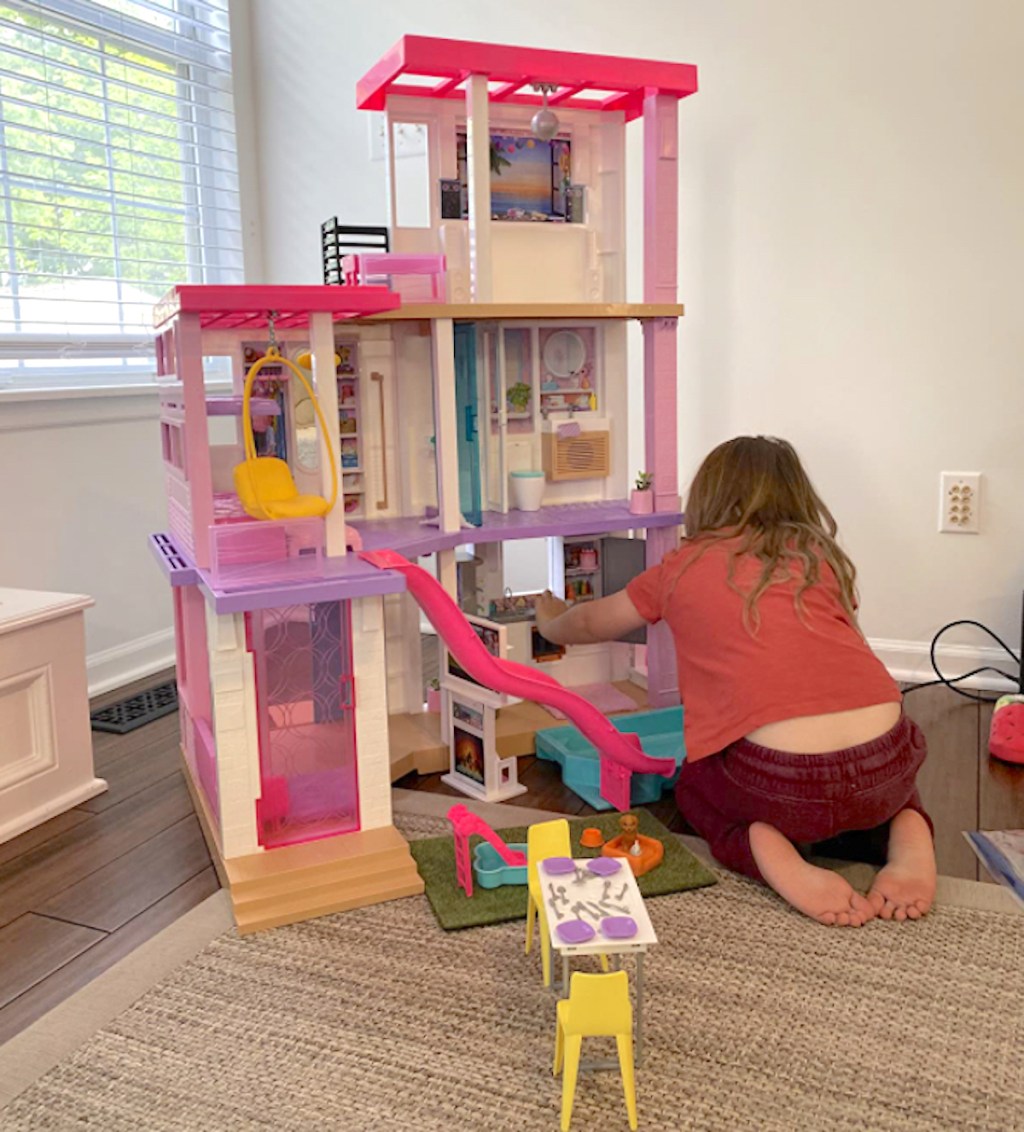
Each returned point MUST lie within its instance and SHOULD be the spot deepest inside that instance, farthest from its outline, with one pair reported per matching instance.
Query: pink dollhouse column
(661, 456)
(661, 254)
(188, 343)
(321, 341)
(478, 161)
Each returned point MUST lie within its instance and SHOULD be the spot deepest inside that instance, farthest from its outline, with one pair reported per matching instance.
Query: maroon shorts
(808, 798)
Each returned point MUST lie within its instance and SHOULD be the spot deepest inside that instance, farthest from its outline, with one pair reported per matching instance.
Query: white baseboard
(909, 662)
(134, 660)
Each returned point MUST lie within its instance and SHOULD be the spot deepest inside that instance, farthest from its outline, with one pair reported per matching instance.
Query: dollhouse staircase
(298, 882)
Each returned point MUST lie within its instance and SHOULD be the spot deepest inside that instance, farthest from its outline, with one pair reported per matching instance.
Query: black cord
(951, 681)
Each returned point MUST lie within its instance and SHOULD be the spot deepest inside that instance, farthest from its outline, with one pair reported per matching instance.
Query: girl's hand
(546, 608)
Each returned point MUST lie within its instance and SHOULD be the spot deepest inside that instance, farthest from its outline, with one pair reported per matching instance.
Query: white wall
(83, 482)
(850, 248)
(851, 242)
(83, 488)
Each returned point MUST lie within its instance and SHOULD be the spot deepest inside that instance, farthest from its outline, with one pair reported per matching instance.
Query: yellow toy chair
(597, 1006)
(264, 483)
(543, 839)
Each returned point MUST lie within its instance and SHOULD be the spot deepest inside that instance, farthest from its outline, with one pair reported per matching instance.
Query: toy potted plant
(641, 499)
(434, 695)
(519, 396)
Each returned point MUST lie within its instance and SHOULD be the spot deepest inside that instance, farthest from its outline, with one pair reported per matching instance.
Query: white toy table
(584, 895)
(45, 740)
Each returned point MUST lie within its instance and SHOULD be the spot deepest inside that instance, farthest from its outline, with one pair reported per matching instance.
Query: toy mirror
(307, 445)
(564, 353)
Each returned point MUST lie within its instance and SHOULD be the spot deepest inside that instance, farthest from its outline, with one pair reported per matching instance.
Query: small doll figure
(629, 828)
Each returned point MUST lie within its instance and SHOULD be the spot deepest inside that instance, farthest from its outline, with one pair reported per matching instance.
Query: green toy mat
(435, 858)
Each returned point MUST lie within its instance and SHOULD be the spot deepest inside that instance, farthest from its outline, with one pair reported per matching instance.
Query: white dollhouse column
(478, 164)
(446, 441)
(371, 720)
(325, 381)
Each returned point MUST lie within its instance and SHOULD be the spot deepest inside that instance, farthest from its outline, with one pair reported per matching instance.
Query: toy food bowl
(591, 838)
(650, 856)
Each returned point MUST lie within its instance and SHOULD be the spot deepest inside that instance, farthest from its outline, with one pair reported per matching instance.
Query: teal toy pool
(490, 871)
(661, 735)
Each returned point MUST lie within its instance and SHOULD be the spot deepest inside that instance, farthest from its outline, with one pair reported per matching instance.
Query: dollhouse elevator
(304, 696)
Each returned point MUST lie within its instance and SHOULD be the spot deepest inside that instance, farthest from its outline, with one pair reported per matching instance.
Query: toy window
(411, 166)
(530, 178)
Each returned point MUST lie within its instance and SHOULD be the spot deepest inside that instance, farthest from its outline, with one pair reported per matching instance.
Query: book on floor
(1001, 851)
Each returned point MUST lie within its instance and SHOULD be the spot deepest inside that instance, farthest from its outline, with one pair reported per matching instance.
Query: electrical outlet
(959, 502)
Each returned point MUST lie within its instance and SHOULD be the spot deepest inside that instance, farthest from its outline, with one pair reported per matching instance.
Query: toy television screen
(530, 178)
(494, 639)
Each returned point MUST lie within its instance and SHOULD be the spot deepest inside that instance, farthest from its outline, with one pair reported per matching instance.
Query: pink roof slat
(241, 306)
(515, 69)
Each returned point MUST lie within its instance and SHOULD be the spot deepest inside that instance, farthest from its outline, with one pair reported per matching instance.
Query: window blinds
(118, 176)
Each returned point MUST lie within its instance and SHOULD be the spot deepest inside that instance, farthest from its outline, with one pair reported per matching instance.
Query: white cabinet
(45, 741)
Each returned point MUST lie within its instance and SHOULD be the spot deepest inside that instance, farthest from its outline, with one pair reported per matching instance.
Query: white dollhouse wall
(506, 451)
(417, 470)
(531, 262)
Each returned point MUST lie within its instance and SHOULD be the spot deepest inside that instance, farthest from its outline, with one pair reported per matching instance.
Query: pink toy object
(1006, 735)
(416, 278)
(621, 753)
(464, 825)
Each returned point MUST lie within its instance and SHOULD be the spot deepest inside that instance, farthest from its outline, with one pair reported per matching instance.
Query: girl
(794, 729)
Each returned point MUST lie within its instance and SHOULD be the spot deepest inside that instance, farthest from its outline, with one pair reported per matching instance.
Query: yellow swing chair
(264, 483)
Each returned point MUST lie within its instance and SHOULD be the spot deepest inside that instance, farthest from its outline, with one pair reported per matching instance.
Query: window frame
(205, 246)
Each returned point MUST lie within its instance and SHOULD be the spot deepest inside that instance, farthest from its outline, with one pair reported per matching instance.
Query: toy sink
(661, 735)
(490, 871)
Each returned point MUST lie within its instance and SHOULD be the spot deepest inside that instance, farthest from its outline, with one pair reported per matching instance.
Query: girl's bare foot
(905, 888)
(823, 895)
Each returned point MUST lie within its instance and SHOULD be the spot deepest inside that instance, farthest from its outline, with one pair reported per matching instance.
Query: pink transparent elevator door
(304, 702)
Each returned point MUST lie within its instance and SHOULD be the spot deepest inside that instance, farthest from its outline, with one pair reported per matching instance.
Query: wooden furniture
(45, 742)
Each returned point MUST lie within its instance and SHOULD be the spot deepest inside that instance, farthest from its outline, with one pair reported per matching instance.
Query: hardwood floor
(81, 891)
(89, 886)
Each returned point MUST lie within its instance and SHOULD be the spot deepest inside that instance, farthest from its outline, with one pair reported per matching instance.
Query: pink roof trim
(242, 307)
(452, 60)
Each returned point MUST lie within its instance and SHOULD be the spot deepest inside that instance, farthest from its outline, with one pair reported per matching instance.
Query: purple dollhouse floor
(350, 577)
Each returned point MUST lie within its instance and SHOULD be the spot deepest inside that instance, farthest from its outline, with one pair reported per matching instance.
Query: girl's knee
(731, 848)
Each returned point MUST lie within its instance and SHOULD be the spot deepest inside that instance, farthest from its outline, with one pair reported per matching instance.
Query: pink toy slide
(621, 753)
(464, 825)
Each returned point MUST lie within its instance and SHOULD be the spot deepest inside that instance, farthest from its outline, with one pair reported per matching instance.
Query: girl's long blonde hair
(754, 489)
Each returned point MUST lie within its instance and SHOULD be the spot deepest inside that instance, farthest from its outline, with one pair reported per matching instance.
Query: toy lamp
(545, 122)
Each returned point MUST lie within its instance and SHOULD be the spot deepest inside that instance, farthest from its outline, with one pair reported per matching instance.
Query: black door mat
(142, 708)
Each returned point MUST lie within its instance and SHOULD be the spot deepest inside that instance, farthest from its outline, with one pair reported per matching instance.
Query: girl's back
(794, 674)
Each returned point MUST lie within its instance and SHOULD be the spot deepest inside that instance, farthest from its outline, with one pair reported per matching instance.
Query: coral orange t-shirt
(732, 682)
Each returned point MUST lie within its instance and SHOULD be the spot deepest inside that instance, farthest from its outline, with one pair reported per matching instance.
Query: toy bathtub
(661, 735)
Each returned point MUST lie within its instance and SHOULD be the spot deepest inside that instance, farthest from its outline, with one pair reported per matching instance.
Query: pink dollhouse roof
(423, 67)
(240, 307)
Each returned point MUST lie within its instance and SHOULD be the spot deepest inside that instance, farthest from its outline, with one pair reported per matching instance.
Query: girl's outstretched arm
(587, 622)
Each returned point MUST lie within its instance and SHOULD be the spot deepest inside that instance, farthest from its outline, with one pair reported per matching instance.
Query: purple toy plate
(558, 866)
(604, 866)
(618, 927)
(575, 931)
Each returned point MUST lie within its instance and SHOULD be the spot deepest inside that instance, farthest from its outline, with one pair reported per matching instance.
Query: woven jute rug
(378, 1019)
